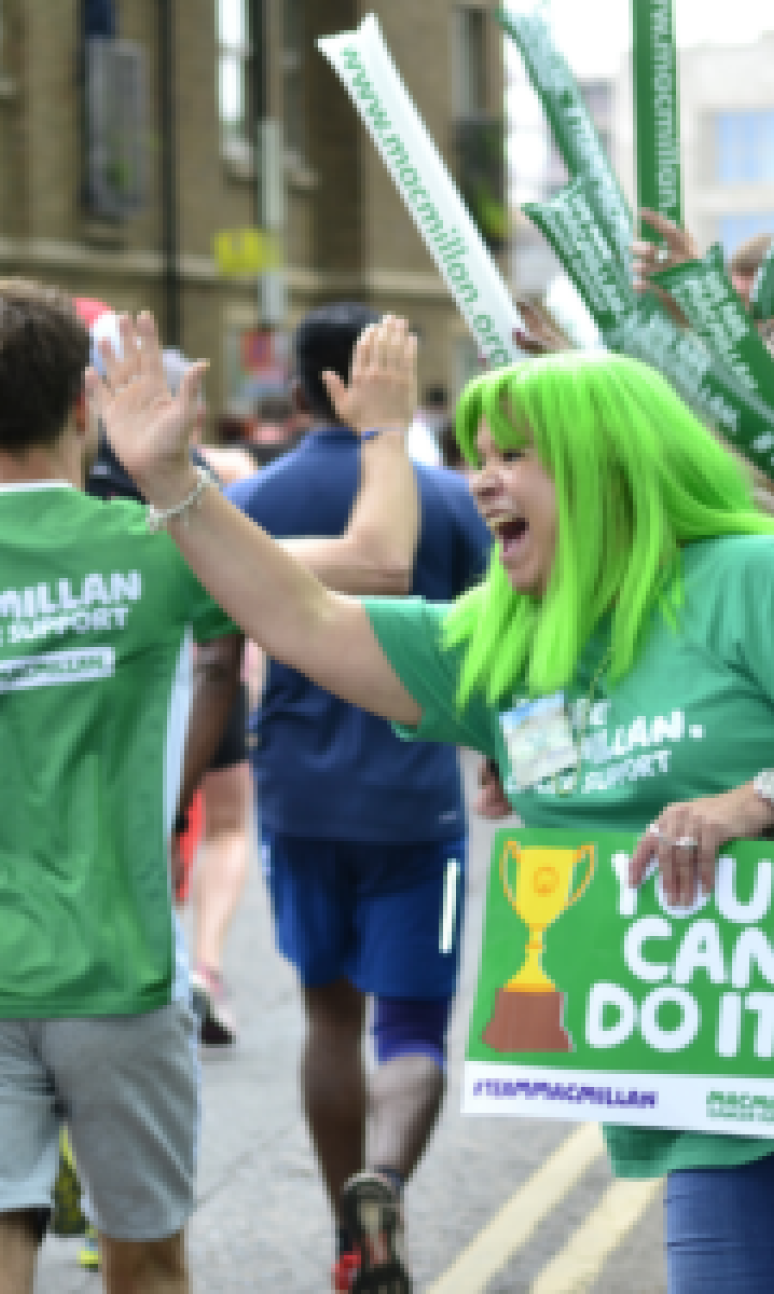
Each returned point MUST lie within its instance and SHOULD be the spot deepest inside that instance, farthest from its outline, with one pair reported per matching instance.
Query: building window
(479, 137)
(737, 228)
(745, 147)
(99, 19)
(468, 62)
(235, 100)
(293, 68)
(115, 116)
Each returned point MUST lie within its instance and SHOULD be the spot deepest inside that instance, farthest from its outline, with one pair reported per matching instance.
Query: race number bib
(539, 740)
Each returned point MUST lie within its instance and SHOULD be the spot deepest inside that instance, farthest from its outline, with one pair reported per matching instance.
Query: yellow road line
(512, 1227)
(576, 1266)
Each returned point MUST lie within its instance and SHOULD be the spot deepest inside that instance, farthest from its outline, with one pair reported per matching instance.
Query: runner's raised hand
(382, 388)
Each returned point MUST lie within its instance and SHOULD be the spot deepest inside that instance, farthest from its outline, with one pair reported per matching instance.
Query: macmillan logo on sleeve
(52, 669)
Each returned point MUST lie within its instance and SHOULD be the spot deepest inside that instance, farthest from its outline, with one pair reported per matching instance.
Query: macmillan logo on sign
(51, 669)
(457, 259)
(740, 1106)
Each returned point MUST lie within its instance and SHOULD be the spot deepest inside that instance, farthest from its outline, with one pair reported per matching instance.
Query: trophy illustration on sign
(528, 1010)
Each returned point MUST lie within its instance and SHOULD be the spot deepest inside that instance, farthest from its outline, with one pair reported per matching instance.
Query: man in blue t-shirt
(363, 835)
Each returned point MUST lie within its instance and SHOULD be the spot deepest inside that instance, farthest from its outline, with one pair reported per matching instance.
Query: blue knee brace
(411, 1026)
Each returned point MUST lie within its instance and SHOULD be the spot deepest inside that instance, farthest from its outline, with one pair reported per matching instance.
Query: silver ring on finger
(686, 842)
(662, 254)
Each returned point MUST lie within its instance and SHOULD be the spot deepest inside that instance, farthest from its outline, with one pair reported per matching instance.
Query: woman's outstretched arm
(275, 599)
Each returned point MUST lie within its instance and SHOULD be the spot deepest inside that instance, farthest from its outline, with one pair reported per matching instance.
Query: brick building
(134, 132)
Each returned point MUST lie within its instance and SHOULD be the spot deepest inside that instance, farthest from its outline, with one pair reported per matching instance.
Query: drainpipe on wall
(170, 234)
(267, 146)
(260, 98)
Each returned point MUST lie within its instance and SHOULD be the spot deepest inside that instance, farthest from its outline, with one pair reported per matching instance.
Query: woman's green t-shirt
(704, 687)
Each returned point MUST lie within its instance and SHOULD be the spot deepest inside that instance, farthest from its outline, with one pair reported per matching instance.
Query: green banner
(721, 370)
(568, 223)
(479, 146)
(707, 385)
(715, 311)
(656, 110)
(596, 1001)
(711, 384)
(573, 130)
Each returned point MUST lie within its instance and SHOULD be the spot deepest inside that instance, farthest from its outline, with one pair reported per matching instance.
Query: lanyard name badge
(539, 739)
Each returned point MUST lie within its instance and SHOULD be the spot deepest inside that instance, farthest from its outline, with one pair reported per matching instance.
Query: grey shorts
(128, 1089)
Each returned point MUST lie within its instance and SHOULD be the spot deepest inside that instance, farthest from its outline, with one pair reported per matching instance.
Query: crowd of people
(598, 536)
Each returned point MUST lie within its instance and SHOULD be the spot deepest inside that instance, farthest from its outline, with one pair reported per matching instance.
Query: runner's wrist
(160, 518)
(381, 439)
(166, 486)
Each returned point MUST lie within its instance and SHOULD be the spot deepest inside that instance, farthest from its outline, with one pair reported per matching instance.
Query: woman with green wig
(632, 579)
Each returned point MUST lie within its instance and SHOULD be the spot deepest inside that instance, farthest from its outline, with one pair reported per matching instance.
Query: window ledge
(239, 160)
(98, 232)
(7, 87)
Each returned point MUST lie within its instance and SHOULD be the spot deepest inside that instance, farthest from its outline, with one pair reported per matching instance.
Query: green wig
(636, 475)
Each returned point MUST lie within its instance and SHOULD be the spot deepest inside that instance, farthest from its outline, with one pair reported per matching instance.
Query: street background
(262, 1220)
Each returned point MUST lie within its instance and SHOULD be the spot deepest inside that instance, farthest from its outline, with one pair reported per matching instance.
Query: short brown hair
(748, 256)
(44, 350)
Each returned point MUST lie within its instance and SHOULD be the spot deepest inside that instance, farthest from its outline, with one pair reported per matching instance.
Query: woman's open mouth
(511, 535)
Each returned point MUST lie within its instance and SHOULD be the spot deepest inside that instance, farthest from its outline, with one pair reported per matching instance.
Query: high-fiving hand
(382, 388)
(149, 429)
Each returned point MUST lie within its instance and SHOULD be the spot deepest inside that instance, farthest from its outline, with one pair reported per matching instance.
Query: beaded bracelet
(158, 517)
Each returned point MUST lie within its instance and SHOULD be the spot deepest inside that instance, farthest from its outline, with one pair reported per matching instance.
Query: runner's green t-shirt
(97, 621)
(694, 717)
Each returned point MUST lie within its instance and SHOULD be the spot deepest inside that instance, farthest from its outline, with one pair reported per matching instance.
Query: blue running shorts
(387, 917)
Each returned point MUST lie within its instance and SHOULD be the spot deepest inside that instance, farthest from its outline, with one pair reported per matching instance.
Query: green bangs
(490, 397)
(636, 477)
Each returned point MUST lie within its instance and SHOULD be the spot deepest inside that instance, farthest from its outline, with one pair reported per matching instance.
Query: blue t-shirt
(324, 768)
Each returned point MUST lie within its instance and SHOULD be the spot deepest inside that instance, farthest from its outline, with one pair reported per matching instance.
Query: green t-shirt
(97, 621)
(694, 717)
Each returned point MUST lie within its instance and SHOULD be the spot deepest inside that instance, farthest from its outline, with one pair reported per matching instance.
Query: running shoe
(67, 1218)
(371, 1213)
(217, 1026)
(344, 1273)
(88, 1254)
